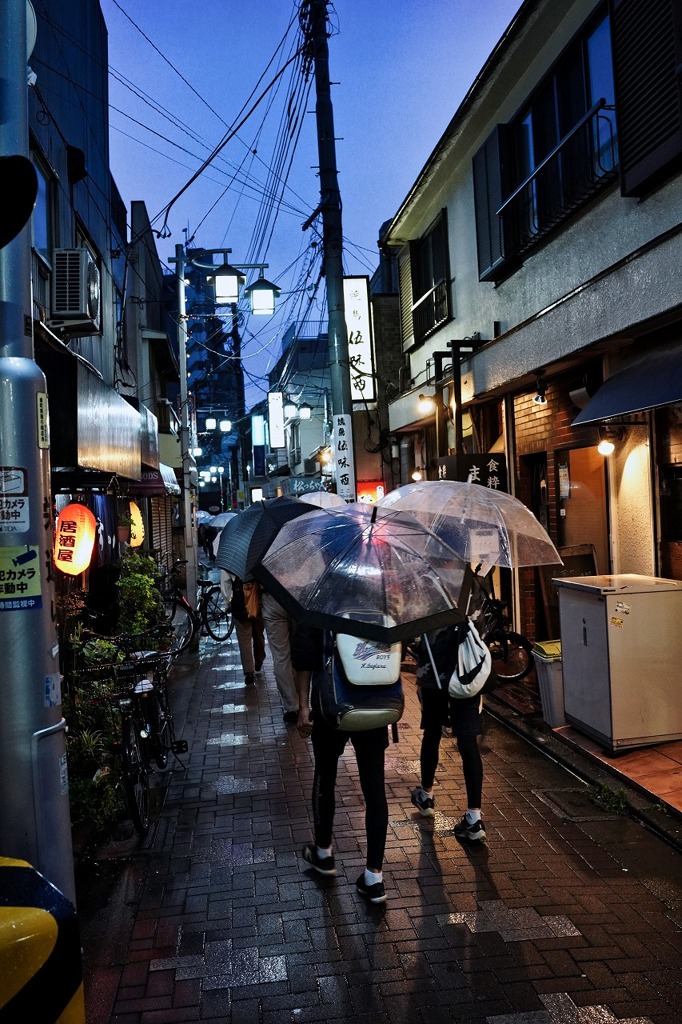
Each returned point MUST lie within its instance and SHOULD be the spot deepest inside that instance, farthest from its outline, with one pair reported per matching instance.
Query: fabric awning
(653, 380)
(156, 483)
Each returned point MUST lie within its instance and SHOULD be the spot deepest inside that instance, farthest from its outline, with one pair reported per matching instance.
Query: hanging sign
(343, 458)
(359, 328)
(74, 539)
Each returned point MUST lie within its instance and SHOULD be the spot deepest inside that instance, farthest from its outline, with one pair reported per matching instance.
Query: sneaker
(249, 679)
(466, 829)
(423, 802)
(374, 893)
(323, 865)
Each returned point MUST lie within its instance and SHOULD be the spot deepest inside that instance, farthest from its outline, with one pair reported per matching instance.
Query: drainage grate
(573, 804)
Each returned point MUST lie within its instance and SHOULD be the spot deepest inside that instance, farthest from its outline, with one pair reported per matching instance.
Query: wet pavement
(572, 911)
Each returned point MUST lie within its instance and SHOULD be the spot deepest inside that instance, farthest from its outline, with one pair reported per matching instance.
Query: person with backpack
(461, 715)
(369, 745)
(248, 624)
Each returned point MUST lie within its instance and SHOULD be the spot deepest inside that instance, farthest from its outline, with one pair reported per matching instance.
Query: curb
(657, 816)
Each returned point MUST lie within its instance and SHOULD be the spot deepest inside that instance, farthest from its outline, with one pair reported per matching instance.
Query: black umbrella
(246, 538)
(363, 570)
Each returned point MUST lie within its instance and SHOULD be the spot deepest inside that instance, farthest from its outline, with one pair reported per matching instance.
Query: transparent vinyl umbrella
(371, 572)
(484, 526)
(220, 520)
(323, 499)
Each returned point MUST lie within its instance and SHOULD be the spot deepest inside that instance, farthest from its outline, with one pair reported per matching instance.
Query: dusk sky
(181, 75)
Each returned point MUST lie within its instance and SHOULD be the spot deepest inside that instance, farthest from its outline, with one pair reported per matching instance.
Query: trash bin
(547, 657)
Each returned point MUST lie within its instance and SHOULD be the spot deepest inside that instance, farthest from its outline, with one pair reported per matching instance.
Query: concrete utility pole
(191, 554)
(34, 794)
(332, 235)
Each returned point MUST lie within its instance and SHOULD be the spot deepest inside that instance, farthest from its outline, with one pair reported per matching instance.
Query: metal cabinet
(621, 641)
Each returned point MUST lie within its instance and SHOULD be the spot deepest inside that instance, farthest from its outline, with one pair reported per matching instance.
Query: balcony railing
(431, 310)
(583, 162)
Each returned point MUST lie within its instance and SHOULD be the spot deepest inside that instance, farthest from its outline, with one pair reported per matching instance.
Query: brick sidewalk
(569, 914)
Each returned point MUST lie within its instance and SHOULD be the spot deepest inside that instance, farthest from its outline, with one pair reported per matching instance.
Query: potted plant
(123, 528)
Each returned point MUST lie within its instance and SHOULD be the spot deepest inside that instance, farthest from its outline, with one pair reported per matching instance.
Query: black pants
(328, 745)
(465, 718)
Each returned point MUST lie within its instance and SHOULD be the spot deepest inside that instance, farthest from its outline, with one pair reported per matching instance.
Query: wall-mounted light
(539, 398)
(305, 411)
(427, 404)
(417, 474)
(608, 435)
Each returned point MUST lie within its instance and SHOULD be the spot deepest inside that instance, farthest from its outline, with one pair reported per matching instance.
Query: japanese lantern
(74, 539)
(136, 526)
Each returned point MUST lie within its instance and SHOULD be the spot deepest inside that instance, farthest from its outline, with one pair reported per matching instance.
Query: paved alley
(570, 913)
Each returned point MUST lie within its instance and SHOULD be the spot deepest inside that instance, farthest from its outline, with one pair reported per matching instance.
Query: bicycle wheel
(161, 726)
(512, 655)
(216, 614)
(183, 621)
(135, 776)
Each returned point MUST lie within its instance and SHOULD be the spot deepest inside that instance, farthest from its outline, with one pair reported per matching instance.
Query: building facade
(540, 293)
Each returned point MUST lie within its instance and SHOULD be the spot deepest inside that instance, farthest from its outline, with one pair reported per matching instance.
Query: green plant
(124, 517)
(140, 601)
(611, 800)
(95, 795)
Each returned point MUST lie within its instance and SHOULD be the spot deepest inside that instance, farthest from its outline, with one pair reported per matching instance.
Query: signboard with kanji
(343, 458)
(486, 468)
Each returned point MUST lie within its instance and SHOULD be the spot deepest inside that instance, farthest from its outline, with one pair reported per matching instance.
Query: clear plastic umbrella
(323, 499)
(370, 572)
(220, 520)
(484, 526)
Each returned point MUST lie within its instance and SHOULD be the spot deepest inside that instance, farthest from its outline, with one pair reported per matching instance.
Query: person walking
(328, 746)
(463, 717)
(279, 627)
(248, 627)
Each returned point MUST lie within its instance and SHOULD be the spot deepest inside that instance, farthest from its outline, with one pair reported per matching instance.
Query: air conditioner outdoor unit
(75, 292)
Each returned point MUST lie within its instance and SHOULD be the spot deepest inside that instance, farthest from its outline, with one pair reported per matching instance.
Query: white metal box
(621, 641)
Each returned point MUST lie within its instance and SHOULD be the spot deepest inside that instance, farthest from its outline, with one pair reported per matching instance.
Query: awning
(155, 483)
(653, 380)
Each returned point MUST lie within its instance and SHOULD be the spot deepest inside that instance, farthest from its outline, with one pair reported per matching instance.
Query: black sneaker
(423, 802)
(466, 829)
(249, 679)
(374, 893)
(323, 865)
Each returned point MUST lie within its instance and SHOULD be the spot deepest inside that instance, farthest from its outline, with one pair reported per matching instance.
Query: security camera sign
(14, 508)
(20, 578)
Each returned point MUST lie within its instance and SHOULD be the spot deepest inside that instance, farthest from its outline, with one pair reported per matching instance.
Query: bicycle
(213, 614)
(146, 728)
(511, 652)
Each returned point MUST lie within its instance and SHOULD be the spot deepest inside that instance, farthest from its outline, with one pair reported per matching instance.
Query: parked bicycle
(512, 653)
(213, 614)
(135, 686)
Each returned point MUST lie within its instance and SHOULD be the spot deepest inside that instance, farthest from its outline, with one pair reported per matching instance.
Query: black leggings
(328, 745)
(472, 763)
(465, 718)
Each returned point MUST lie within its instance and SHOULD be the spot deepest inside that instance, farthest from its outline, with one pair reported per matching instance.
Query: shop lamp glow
(74, 539)
(136, 526)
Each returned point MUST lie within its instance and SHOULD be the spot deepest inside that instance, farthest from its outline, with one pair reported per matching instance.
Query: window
(647, 56)
(430, 279)
(531, 174)
(41, 220)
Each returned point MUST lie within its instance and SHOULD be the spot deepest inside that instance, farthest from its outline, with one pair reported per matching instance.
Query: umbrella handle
(433, 664)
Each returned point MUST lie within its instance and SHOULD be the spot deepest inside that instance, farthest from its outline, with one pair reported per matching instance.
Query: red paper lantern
(74, 540)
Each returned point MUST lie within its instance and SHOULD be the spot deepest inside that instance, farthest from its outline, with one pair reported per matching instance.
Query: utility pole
(34, 791)
(191, 569)
(332, 236)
